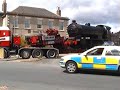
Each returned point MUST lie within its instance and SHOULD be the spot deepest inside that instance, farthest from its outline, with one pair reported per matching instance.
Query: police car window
(113, 52)
(97, 51)
(108, 53)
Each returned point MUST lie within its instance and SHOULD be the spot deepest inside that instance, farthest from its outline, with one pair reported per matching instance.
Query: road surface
(49, 76)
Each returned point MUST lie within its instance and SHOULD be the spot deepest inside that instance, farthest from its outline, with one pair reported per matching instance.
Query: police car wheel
(71, 67)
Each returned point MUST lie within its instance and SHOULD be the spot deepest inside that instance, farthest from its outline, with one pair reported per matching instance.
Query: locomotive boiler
(87, 35)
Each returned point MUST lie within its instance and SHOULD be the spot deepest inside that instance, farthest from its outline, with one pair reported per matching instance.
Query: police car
(98, 57)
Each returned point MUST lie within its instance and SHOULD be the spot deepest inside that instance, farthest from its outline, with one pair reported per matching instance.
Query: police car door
(95, 58)
(112, 56)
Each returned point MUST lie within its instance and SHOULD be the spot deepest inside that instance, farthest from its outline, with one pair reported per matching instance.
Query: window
(39, 23)
(97, 51)
(15, 22)
(113, 52)
(50, 24)
(29, 31)
(61, 26)
(35, 31)
(27, 23)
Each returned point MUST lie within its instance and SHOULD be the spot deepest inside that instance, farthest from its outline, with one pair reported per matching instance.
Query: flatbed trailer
(35, 52)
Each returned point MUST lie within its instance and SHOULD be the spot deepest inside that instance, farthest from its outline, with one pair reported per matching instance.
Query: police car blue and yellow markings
(97, 63)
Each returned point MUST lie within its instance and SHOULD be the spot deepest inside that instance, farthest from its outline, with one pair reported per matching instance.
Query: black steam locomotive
(87, 35)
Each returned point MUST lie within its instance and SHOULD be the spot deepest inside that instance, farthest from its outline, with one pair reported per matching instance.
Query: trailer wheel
(25, 54)
(37, 53)
(51, 53)
(6, 53)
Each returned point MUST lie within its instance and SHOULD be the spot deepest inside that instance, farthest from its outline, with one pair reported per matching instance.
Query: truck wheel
(25, 54)
(6, 53)
(71, 67)
(37, 53)
(51, 53)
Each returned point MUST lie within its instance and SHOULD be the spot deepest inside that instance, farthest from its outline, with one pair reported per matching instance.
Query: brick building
(115, 37)
(28, 20)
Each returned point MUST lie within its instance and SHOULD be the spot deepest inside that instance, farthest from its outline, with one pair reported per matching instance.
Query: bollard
(1, 53)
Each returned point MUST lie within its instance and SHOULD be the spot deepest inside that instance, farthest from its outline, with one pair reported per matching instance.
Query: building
(28, 20)
(115, 37)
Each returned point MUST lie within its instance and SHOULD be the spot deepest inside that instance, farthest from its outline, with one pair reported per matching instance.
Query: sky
(96, 12)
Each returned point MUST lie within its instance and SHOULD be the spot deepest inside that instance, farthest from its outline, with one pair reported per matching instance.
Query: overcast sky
(93, 11)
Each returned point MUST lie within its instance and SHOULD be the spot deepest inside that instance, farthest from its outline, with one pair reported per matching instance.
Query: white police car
(99, 57)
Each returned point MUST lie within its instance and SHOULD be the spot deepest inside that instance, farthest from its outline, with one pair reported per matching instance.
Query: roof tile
(37, 12)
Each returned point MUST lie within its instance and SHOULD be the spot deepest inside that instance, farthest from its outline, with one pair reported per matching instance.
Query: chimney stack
(58, 11)
(4, 8)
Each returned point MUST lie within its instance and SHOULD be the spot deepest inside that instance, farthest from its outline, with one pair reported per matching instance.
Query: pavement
(36, 76)
(46, 74)
(18, 59)
(3, 87)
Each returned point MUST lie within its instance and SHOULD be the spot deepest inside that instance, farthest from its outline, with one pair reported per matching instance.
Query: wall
(1, 21)
(33, 21)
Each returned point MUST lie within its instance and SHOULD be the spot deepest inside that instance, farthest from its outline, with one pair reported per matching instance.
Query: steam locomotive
(87, 35)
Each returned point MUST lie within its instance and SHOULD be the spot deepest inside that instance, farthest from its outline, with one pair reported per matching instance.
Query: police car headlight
(61, 59)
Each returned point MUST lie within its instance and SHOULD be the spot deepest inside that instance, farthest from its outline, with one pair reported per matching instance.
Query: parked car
(98, 57)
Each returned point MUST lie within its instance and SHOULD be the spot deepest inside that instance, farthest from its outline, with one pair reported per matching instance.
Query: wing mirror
(85, 55)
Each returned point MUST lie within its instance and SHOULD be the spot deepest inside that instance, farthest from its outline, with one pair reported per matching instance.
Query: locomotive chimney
(4, 8)
(58, 11)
